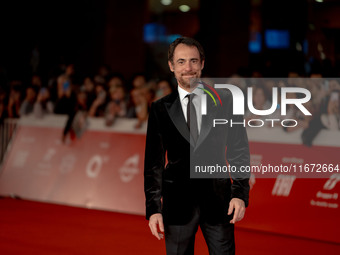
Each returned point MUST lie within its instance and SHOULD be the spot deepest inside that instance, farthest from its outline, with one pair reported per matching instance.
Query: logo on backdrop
(130, 168)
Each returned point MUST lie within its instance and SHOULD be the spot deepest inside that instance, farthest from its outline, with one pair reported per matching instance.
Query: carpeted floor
(28, 227)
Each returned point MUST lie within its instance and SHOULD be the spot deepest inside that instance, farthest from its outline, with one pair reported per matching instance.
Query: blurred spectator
(36, 81)
(115, 80)
(331, 119)
(117, 107)
(66, 97)
(82, 101)
(99, 79)
(88, 89)
(138, 81)
(333, 85)
(3, 104)
(163, 88)
(269, 84)
(260, 102)
(149, 92)
(14, 102)
(43, 104)
(28, 103)
(238, 81)
(294, 113)
(97, 108)
(77, 119)
(318, 92)
(139, 106)
(66, 76)
(327, 118)
(102, 74)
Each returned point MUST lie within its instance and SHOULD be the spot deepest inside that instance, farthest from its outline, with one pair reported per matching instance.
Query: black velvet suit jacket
(168, 137)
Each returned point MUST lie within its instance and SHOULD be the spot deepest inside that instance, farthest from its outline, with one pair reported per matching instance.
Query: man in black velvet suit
(179, 138)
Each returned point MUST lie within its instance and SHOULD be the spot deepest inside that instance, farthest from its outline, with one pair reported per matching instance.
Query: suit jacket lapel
(175, 112)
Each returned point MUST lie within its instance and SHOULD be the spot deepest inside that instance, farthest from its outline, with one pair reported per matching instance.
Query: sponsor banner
(104, 170)
(307, 207)
(101, 170)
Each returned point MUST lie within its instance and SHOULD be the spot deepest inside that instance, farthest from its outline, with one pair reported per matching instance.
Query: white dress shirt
(197, 103)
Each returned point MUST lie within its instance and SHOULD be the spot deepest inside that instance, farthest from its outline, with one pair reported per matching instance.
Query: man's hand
(156, 219)
(240, 209)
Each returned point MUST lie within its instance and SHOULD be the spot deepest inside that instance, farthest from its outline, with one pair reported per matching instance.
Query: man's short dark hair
(187, 41)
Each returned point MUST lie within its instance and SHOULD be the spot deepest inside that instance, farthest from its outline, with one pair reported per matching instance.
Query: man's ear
(202, 65)
(170, 66)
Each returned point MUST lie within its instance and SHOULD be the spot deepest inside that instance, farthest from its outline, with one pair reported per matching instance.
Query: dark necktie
(192, 117)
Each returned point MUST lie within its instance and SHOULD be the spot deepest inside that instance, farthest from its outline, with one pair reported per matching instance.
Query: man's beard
(185, 82)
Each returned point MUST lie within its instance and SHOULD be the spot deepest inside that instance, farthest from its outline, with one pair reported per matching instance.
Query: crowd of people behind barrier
(108, 95)
(324, 105)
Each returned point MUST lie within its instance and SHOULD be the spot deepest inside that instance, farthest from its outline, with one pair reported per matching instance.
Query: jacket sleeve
(237, 156)
(153, 165)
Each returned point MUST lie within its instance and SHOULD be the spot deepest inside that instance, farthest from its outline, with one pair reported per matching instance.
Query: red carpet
(28, 227)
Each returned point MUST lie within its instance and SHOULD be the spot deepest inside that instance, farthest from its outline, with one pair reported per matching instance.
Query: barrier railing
(7, 130)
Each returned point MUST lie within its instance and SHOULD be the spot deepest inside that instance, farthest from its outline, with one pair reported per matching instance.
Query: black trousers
(180, 239)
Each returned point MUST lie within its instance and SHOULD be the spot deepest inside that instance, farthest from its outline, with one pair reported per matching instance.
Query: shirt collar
(183, 93)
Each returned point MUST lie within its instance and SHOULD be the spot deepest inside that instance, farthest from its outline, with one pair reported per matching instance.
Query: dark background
(93, 33)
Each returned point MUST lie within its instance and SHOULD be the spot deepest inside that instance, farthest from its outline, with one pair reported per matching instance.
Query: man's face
(186, 65)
